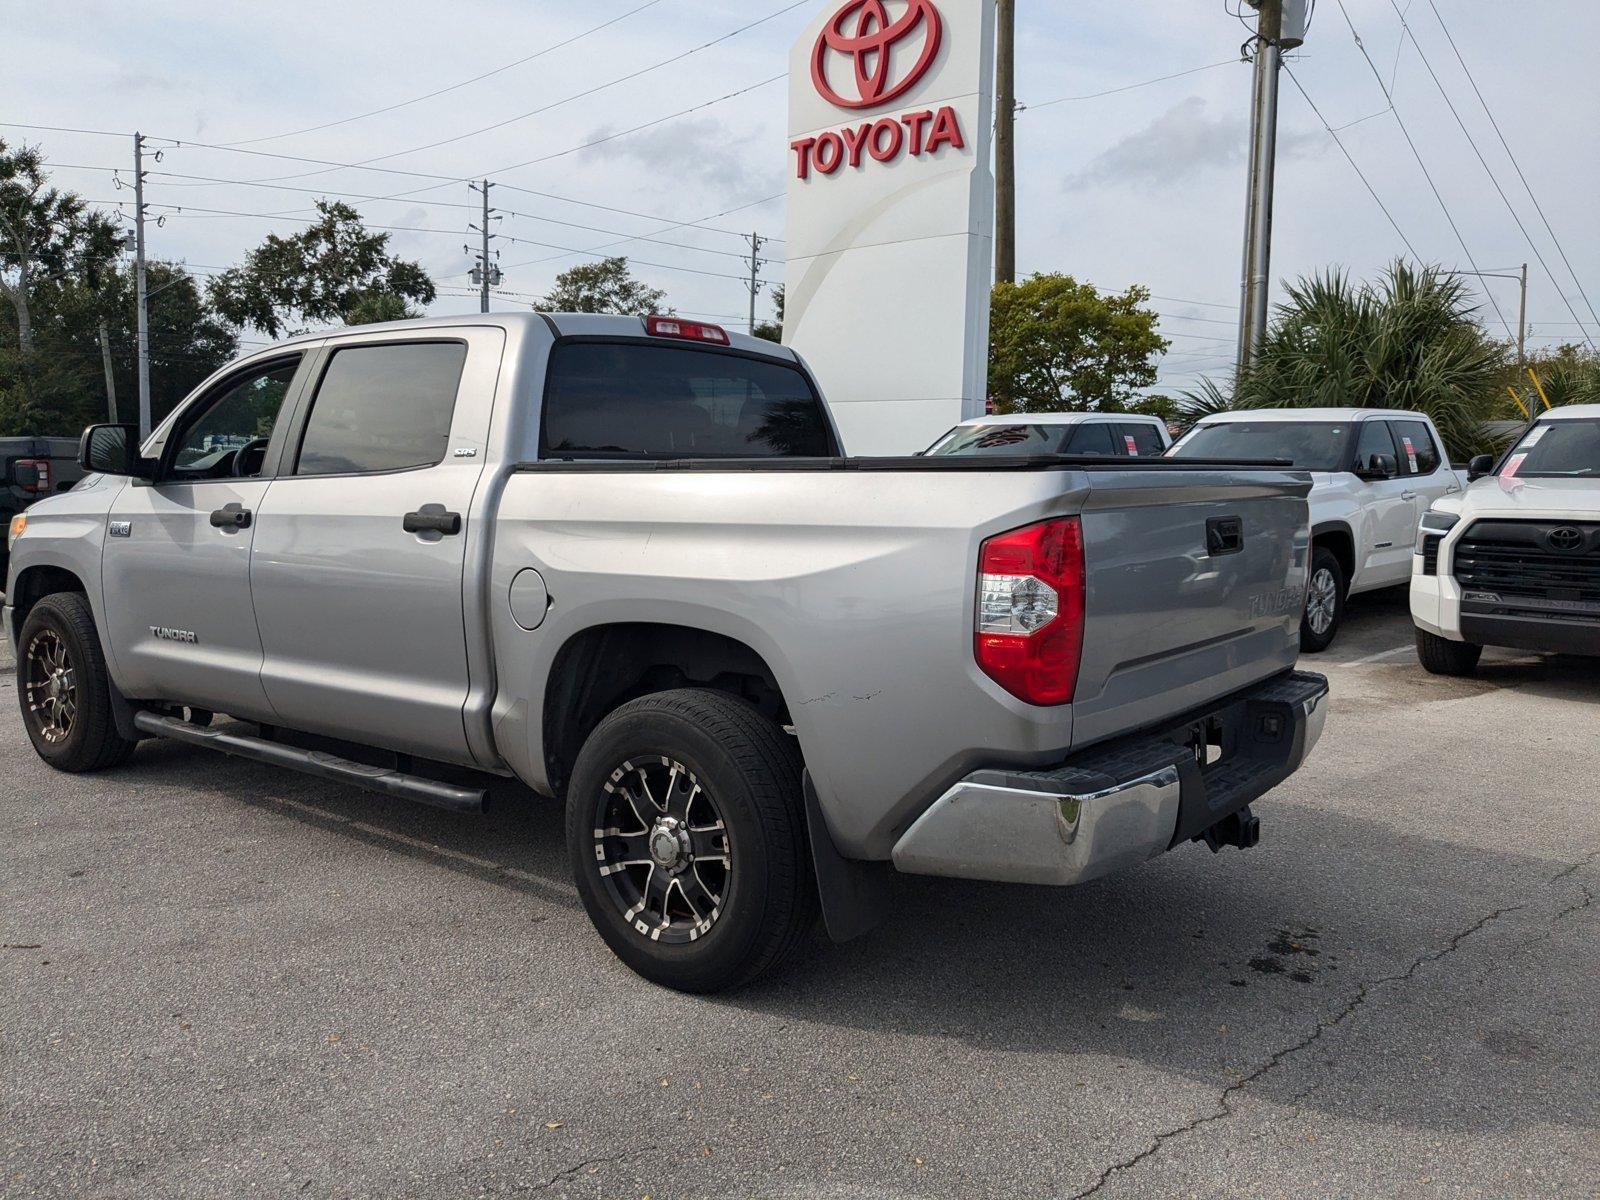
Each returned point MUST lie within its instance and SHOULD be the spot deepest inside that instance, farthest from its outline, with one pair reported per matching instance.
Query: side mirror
(1481, 465)
(1380, 466)
(112, 450)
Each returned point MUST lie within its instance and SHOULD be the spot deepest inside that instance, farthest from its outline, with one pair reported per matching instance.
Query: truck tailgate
(1195, 589)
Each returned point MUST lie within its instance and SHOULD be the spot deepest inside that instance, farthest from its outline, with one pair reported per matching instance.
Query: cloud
(702, 149)
(1183, 142)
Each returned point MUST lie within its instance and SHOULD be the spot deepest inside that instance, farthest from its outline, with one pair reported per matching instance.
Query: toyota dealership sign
(891, 214)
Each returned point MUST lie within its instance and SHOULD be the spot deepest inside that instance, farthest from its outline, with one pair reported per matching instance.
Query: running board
(384, 780)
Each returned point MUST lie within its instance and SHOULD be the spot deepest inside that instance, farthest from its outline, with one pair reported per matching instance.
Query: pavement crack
(571, 1172)
(1224, 1106)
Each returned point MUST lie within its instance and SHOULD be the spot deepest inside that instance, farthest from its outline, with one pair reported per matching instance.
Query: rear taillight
(1029, 633)
(689, 331)
(32, 474)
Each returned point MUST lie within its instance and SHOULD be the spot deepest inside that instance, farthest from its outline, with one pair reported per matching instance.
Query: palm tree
(1408, 341)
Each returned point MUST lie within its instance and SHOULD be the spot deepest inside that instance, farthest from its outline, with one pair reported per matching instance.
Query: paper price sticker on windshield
(1534, 438)
(1411, 453)
(1512, 467)
(1133, 446)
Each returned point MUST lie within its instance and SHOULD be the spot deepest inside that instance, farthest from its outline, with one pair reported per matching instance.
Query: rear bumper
(1116, 805)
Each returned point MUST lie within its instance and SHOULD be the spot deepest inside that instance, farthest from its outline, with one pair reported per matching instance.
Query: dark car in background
(31, 469)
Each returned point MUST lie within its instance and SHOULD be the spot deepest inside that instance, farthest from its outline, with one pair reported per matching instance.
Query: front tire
(65, 689)
(1441, 656)
(688, 842)
(1325, 597)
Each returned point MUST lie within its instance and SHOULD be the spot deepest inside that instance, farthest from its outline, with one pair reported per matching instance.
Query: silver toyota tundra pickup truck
(625, 561)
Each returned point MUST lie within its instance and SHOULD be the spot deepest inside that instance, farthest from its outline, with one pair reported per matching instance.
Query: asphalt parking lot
(219, 979)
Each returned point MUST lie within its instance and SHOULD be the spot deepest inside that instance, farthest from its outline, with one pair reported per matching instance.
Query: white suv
(1374, 472)
(1515, 560)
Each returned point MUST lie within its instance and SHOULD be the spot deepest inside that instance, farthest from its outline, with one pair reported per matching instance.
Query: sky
(1141, 186)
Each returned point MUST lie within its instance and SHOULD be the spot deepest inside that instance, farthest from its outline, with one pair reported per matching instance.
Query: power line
(272, 137)
(587, 92)
(1416, 154)
(1354, 166)
(1128, 87)
(1505, 145)
(1471, 141)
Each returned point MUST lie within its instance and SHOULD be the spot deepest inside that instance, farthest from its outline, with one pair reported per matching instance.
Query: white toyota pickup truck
(1515, 559)
(1374, 472)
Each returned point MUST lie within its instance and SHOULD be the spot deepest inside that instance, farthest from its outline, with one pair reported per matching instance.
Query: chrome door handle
(231, 516)
(1408, 495)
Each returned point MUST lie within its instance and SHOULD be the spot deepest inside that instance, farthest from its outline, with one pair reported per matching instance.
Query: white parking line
(1380, 656)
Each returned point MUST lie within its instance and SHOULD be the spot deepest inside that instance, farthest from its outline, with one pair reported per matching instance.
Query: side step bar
(384, 780)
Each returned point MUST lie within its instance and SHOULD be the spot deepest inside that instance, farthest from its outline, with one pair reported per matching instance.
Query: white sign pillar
(891, 215)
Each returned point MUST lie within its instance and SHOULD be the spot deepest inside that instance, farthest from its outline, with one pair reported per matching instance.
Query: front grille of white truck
(1546, 560)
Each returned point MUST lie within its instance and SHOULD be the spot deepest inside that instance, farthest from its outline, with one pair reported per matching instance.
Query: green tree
(606, 286)
(1409, 340)
(1057, 345)
(332, 271)
(1569, 374)
(50, 242)
(772, 331)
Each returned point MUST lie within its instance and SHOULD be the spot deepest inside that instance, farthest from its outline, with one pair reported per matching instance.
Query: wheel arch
(34, 584)
(602, 667)
(1338, 539)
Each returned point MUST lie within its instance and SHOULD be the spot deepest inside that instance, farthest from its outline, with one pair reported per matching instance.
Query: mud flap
(854, 894)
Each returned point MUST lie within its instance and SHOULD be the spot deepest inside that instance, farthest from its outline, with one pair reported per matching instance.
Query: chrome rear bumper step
(386, 781)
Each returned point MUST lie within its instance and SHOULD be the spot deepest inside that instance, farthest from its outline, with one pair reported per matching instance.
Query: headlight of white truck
(18, 524)
(1434, 521)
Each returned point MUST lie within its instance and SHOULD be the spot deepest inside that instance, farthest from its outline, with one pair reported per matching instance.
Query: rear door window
(1139, 440)
(642, 401)
(1375, 438)
(382, 408)
(1419, 455)
(1092, 438)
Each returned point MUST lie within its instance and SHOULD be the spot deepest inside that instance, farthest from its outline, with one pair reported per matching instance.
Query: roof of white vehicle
(1311, 414)
(1572, 412)
(1059, 418)
(566, 325)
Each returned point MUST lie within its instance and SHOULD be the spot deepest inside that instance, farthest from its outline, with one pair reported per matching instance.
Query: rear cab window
(643, 401)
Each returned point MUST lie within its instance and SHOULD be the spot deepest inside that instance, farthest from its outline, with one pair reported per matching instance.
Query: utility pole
(1522, 321)
(1280, 26)
(485, 274)
(1521, 276)
(142, 297)
(755, 285)
(1005, 144)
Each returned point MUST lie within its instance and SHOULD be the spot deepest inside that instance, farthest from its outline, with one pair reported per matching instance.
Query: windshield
(1555, 450)
(1309, 445)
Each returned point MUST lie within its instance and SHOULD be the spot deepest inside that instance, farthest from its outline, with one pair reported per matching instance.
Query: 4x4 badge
(120, 529)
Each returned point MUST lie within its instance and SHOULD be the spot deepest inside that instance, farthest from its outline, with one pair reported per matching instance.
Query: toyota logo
(869, 45)
(1566, 539)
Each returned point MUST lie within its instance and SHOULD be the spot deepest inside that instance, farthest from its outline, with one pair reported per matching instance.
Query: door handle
(231, 516)
(1408, 495)
(432, 518)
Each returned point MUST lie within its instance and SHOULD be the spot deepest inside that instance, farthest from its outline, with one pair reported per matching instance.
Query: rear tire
(688, 841)
(64, 688)
(1441, 656)
(1325, 597)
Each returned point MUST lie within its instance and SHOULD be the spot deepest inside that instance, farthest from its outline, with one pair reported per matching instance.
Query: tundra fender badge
(120, 529)
(172, 635)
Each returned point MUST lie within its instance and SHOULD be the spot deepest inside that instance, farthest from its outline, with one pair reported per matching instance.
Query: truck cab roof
(560, 324)
(1346, 415)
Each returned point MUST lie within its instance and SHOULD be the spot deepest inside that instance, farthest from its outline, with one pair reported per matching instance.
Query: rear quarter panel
(856, 588)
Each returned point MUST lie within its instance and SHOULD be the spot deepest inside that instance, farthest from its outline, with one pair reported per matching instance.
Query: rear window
(1309, 445)
(1140, 440)
(643, 401)
(1002, 440)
